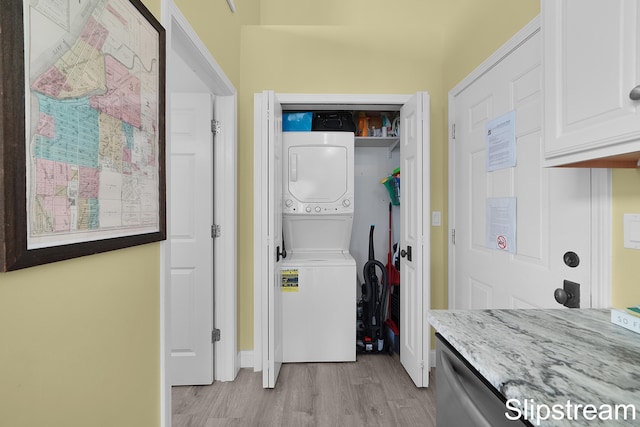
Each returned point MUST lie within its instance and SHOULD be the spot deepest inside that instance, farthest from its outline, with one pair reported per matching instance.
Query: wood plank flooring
(374, 391)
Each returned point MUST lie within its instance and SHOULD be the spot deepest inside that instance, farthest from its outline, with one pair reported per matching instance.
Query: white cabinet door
(591, 65)
(414, 238)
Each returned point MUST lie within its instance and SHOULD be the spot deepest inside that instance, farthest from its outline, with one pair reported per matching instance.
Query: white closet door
(272, 313)
(414, 238)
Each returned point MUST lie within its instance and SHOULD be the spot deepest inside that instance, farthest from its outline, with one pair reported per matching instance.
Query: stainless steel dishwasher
(463, 396)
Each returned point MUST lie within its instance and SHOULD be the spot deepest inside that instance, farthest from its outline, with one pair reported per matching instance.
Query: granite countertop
(551, 356)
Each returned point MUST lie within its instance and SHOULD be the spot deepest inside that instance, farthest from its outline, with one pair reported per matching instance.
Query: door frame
(600, 187)
(182, 38)
(299, 101)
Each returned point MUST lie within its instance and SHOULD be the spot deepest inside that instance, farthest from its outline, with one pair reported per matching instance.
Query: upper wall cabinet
(591, 82)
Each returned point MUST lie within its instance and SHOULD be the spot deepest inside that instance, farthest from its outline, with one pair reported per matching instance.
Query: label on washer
(290, 280)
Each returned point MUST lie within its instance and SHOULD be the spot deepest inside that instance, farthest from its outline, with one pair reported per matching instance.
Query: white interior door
(272, 315)
(414, 238)
(190, 237)
(552, 205)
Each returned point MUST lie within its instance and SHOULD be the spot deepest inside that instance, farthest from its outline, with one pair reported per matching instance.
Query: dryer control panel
(345, 205)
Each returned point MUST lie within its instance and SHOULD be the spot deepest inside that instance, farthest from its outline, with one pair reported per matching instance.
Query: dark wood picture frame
(14, 253)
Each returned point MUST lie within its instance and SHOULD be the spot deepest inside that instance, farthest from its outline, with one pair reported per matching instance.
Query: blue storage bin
(297, 122)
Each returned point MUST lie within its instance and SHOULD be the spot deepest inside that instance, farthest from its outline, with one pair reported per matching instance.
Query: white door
(552, 205)
(191, 218)
(272, 316)
(414, 238)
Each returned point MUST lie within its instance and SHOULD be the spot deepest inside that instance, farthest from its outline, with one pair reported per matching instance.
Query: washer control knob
(346, 203)
(317, 208)
(308, 209)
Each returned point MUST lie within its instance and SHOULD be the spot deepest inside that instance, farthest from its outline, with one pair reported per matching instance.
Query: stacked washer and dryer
(319, 305)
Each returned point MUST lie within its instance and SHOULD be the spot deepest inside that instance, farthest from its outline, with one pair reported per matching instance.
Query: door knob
(562, 296)
(635, 93)
(568, 295)
(280, 254)
(406, 253)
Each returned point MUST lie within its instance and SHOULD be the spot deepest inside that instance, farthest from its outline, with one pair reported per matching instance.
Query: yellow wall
(625, 262)
(80, 341)
(219, 29)
(478, 30)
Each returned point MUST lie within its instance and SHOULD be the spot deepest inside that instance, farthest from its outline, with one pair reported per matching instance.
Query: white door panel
(272, 316)
(414, 238)
(191, 244)
(553, 205)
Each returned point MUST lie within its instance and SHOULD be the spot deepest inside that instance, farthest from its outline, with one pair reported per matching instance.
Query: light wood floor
(374, 391)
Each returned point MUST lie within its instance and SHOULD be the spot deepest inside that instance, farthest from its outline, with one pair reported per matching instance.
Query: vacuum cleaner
(373, 304)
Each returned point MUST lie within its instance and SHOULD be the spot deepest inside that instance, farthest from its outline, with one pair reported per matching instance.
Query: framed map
(82, 121)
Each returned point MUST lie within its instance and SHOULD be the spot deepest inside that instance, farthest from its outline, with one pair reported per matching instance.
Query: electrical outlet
(436, 218)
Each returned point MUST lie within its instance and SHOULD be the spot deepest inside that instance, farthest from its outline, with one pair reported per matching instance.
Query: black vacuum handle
(372, 255)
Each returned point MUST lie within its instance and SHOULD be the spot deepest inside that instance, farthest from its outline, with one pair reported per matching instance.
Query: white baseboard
(246, 359)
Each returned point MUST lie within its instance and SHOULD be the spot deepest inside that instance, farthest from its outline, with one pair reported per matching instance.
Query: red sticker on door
(502, 242)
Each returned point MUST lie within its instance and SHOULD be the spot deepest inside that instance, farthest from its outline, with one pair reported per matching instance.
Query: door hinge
(453, 131)
(215, 335)
(215, 231)
(215, 127)
(453, 236)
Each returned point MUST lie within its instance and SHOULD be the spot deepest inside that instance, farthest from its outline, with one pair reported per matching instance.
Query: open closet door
(414, 238)
(272, 311)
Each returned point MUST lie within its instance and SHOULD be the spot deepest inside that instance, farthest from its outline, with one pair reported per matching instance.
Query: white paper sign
(501, 224)
(500, 135)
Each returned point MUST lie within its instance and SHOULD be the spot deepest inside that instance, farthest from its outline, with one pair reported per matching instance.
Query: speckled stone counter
(550, 356)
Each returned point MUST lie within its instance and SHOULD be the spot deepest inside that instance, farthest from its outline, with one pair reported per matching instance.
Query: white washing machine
(319, 274)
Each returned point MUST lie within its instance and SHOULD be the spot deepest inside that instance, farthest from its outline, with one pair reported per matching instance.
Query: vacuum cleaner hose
(366, 286)
(372, 288)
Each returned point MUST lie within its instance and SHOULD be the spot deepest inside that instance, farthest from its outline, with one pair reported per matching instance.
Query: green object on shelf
(392, 185)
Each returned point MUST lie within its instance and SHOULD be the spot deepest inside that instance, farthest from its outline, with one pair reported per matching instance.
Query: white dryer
(318, 274)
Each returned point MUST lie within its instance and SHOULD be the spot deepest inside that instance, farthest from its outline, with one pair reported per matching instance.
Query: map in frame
(92, 73)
